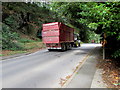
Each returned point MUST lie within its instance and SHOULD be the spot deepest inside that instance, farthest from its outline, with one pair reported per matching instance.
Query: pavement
(45, 69)
(88, 76)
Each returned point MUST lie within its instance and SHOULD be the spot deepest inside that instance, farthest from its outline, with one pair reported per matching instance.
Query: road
(43, 69)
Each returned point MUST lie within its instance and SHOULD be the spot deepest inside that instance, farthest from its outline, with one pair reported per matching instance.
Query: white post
(103, 52)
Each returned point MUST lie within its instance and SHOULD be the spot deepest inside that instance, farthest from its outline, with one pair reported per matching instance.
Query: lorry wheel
(70, 46)
(49, 49)
(67, 46)
(63, 46)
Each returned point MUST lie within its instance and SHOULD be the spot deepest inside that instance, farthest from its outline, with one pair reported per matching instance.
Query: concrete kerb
(97, 81)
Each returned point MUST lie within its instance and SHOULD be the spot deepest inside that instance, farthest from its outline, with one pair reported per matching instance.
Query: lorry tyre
(67, 46)
(63, 46)
(70, 46)
(49, 49)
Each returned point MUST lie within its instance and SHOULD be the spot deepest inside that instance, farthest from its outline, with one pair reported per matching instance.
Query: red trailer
(57, 36)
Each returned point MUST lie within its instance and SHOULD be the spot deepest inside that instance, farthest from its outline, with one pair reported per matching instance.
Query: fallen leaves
(111, 72)
(64, 80)
(67, 77)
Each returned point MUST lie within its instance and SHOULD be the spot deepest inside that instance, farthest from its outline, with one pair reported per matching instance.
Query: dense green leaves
(9, 39)
(24, 18)
(87, 18)
(116, 54)
(93, 16)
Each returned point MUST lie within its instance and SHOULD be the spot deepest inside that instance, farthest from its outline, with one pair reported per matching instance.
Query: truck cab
(76, 40)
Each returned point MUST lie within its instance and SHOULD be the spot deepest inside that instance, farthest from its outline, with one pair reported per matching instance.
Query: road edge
(97, 81)
(18, 55)
(78, 68)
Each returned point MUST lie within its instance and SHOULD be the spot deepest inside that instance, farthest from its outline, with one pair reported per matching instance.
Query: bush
(116, 54)
(9, 39)
(24, 40)
(9, 45)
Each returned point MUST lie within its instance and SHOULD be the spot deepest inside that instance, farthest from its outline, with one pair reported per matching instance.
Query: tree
(25, 18)
(93, 16)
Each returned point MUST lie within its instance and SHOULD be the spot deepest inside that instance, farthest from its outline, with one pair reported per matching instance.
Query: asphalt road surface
(42, 69)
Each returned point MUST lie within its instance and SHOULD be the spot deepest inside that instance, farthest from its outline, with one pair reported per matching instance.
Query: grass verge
(29, 47)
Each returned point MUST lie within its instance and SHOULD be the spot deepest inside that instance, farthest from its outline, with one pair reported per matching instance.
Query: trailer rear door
(50, 32)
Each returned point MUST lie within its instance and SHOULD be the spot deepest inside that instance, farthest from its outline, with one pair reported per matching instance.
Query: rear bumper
(53, 45)
(54, 48)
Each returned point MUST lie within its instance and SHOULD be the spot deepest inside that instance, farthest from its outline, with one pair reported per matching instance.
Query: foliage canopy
(87, 18)
(100, 17)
